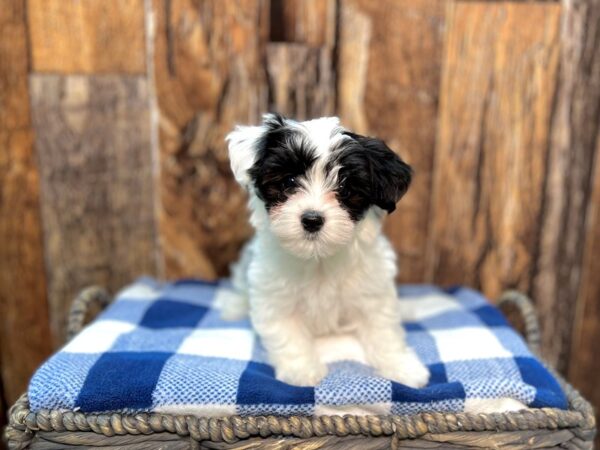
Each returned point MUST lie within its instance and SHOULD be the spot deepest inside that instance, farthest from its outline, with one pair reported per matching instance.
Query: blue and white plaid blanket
(164, 348)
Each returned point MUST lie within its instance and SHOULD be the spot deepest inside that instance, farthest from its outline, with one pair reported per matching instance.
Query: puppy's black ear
(390, 176)
(243, 142)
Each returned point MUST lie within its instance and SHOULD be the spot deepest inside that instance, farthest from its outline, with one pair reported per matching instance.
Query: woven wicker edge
(86, 300)
(23, 423)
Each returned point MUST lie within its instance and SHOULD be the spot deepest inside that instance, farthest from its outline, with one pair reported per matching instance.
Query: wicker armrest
(525, 307)
(86, 300)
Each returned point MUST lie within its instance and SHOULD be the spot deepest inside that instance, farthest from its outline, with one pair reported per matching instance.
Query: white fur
(241, 151)
(342, 281)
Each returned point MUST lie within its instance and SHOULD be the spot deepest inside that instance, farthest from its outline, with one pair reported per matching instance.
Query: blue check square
(173, 314)
(259, 385)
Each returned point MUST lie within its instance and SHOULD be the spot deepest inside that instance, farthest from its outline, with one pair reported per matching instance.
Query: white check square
(98, 337)
(422, 307)
(219, 343)
(138, 292)
(468, 343)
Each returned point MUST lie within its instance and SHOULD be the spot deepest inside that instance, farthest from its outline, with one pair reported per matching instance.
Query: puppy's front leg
(290, 347)
(386, 350)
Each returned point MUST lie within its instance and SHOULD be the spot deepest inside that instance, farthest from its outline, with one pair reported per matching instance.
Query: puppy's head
(312, 183)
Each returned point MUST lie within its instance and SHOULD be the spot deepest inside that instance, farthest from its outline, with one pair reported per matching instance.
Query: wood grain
(24, 330)
(93, 146)
(300, 59)
(91, 36)
(575, 128)
(309, 22)
(388, 81)
(498, 82)
(301, 80)
(583, 362)
(209, 76)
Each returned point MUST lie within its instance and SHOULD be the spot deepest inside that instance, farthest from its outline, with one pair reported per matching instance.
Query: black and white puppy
(319, 263)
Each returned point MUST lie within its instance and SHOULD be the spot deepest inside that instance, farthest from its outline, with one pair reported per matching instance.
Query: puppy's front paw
(407, 369)
(307, 373)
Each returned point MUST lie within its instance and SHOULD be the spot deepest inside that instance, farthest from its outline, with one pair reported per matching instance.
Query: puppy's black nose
(312, 221)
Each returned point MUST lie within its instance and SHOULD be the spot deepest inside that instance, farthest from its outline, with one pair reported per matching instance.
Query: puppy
(319, 263)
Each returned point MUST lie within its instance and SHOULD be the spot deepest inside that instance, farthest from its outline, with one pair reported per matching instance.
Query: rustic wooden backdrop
(112, 160)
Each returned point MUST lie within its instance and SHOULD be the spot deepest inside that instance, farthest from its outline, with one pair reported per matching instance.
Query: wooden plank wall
(93, 141)
(91, 37)
(207, 65)
(24, 326)
(583, 365)
(390, 67)
(492, 149)
(573, 148)
(584, 113)
(91, 112)
(113, 114)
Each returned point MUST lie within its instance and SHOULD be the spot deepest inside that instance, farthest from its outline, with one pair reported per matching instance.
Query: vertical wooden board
(209, 74)
(87, 36)
(300, 58)
(575, 129)
(309, 22)
(24, 330)
(498, 83)
(584, 365)
(93, 147)
(388, 80)
(301, 80)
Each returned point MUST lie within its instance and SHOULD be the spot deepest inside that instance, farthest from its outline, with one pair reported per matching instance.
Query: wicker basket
(530, 428)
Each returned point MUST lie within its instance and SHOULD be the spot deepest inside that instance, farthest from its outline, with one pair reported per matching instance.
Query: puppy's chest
(328, 306)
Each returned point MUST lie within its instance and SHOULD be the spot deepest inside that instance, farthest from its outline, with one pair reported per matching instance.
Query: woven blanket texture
(164, 348)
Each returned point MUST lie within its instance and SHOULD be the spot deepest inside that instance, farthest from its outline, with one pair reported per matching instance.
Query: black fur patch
(370, 174)
(279, 162)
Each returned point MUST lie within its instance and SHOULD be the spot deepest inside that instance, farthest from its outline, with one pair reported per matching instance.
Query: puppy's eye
(344, 188)
(289, 182)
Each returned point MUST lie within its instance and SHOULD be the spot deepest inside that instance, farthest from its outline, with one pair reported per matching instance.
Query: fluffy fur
(319, 263)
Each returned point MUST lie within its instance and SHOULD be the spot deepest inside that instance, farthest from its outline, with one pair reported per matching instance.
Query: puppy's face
(314, 180)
